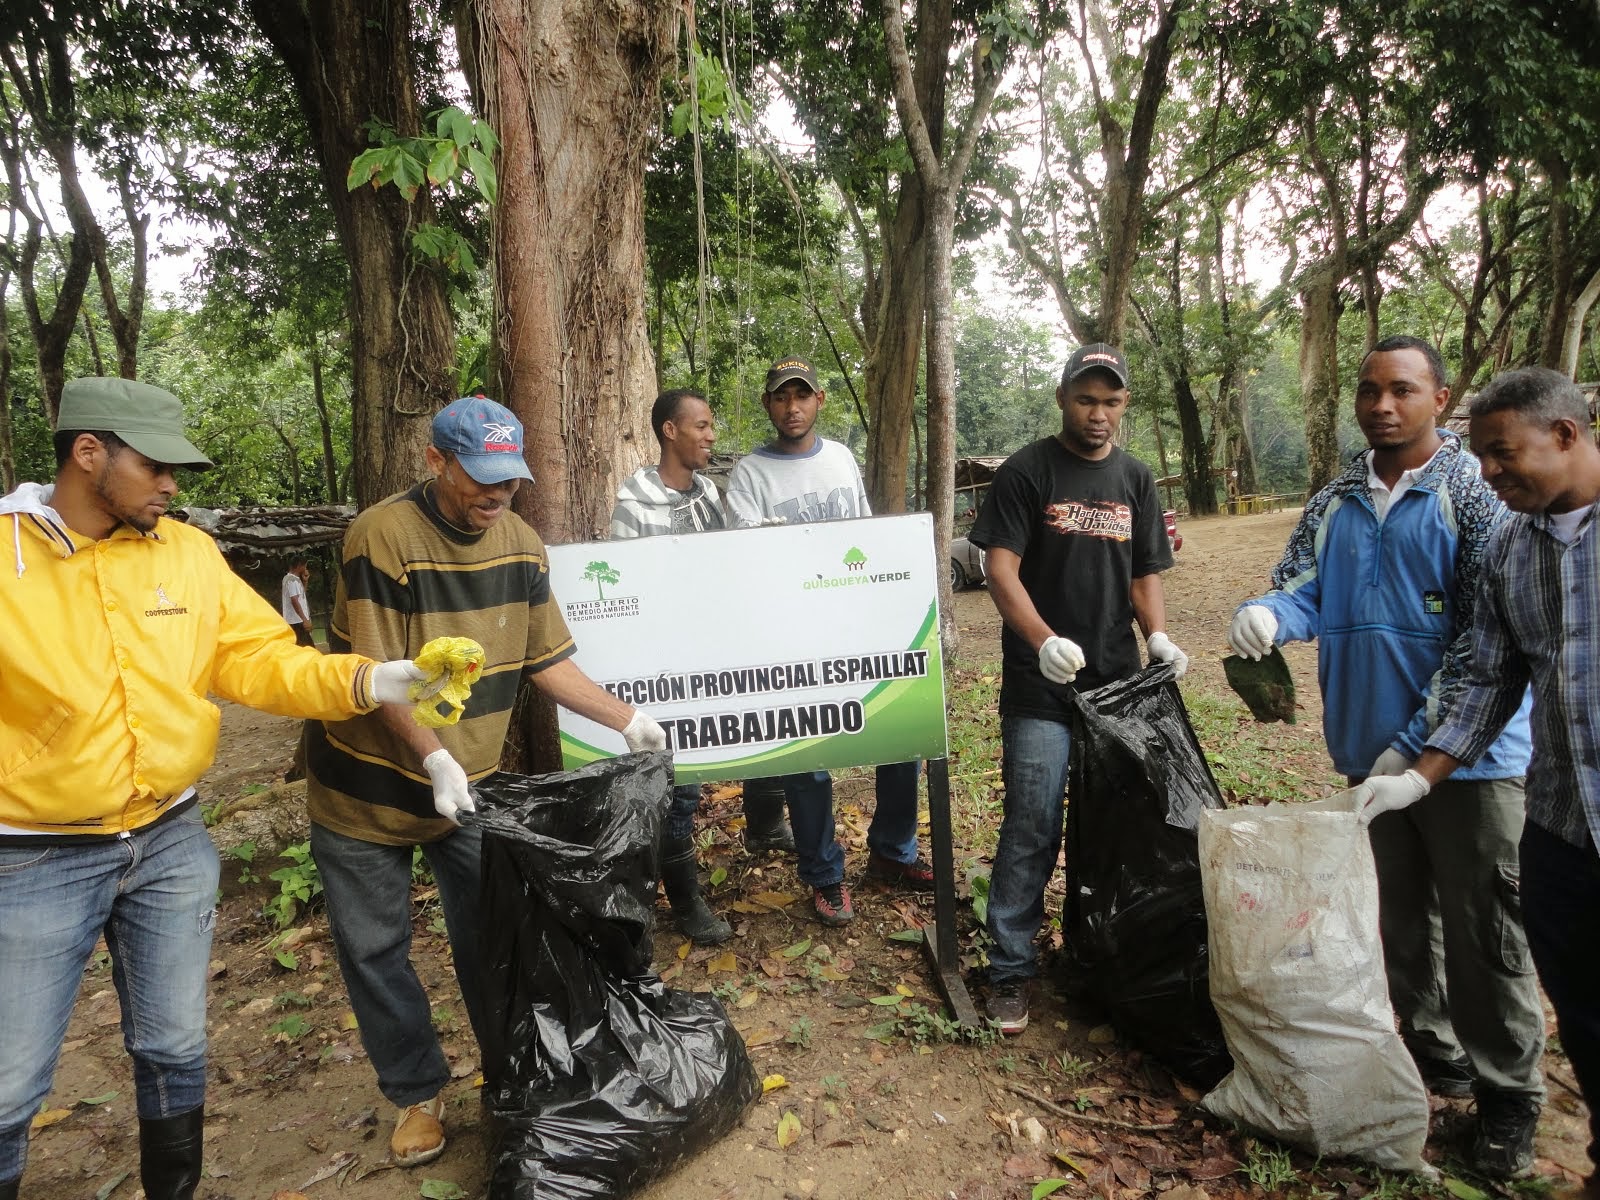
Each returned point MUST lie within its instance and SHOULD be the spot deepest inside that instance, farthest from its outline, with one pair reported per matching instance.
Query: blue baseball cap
(485, 437)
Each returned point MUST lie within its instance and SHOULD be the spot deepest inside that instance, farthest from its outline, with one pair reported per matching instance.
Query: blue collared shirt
(1538, 621)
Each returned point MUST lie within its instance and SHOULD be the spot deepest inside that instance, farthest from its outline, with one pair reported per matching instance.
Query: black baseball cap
(793, 367)
(1096, 356)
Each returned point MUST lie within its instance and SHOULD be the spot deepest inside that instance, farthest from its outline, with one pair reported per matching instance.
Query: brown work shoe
(418, 1133)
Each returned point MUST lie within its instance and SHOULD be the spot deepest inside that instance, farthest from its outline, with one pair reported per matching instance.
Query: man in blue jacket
(1382, 571)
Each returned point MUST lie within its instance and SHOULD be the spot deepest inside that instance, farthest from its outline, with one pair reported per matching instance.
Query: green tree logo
(855, 560)
(602, 573)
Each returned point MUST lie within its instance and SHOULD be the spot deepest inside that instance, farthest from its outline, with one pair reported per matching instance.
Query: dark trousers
(1560, 911)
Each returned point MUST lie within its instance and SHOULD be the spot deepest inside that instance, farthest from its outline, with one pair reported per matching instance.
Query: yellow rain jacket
(107, 651)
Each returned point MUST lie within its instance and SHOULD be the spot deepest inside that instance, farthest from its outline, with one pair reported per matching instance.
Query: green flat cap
(148, 418)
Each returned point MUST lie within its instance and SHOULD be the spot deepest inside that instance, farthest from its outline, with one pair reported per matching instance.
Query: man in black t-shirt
(1075, 541)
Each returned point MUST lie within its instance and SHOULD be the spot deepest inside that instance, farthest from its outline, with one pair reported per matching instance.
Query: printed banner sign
(762, 651)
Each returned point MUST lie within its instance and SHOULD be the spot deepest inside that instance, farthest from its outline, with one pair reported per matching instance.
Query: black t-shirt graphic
(1084, 530)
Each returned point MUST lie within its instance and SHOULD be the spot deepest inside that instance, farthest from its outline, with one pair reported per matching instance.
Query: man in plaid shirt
(1538, 622)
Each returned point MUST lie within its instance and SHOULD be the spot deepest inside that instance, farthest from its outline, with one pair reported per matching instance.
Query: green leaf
(486, 136)
(441, 1189)
(884, 1001)
(444, 164)
(457, 126)
(363, 168)
(682, 114)
(407, 174)
(111, 1185)
(719, 876)
(907, 935)
(286, 959)
(882, 1031)
(1463, 1190)
(483, 176)
(105, 1099)
(796, 950)
(1047, 1187)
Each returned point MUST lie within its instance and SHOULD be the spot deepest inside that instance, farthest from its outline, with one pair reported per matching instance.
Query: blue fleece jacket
(1390, 604)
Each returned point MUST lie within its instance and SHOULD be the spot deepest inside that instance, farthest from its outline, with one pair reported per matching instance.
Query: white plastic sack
(1297, 978)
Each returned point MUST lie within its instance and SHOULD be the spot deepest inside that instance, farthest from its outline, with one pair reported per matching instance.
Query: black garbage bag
(597, 1076)
(1134, 922)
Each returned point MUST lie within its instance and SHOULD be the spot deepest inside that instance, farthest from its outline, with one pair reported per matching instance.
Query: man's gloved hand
(1060, 659)
(1253, 630)
(1162, 650)
(641, 733)
(391, 682)
(451, 793)
(1391, 762)
(1386, 793)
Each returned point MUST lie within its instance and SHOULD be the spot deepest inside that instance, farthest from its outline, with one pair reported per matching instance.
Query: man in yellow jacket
(117, 622)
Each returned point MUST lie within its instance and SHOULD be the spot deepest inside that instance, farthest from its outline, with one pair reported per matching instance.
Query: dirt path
(292, 1090)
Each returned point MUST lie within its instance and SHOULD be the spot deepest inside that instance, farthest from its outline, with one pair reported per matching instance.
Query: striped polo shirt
(409, 576)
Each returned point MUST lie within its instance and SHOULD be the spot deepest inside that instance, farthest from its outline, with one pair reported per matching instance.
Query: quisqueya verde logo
(855, 574)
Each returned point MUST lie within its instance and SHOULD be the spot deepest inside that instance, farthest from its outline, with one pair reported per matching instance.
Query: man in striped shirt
(446, 558)
(1538, 622)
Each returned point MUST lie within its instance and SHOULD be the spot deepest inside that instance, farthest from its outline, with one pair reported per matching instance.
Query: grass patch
(1255, 763)
(974, 742)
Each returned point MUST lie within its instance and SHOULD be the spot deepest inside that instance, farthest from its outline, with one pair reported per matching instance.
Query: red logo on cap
(499, 438)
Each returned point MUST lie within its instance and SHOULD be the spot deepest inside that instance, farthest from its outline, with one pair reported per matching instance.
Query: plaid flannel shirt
(1538, 621)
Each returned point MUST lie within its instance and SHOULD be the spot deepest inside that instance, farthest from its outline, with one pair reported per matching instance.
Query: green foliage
(1269, 1168)
(454, 145)
(298, 885)
(921, 1025)
(245, 852)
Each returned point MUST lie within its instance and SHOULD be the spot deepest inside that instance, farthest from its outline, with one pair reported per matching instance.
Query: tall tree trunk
(892, 368)
(942, 182)
(941, 372)
(1577, 315)
(351, 63)
(574, 93)
(125, 321)
(1319, 378)
(1239, 447)
(905, 282)
(319, 396)
(1561, 265)
(1195, 449)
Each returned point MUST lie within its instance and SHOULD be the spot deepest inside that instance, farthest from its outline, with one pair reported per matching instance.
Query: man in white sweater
(797, 478)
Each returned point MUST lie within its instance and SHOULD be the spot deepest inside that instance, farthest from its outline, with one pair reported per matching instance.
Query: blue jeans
(153, 895)
(1560, 909)
(368, 886)
(680, 817)
(893, 832)
(1035, 754)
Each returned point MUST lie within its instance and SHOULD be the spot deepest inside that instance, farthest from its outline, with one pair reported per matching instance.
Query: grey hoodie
(646, 507)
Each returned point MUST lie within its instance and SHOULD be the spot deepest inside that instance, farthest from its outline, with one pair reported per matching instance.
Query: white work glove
(1386, 793)
(1253, 630)
(641, 733)
(451, 792)
(1060, 659)
(390, 682)
(1391, 762)
(1162, 650)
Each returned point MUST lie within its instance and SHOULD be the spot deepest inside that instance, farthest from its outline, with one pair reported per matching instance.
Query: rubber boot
(765, 828)
(169, 1154)
(679, 874)
(8, 1188)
